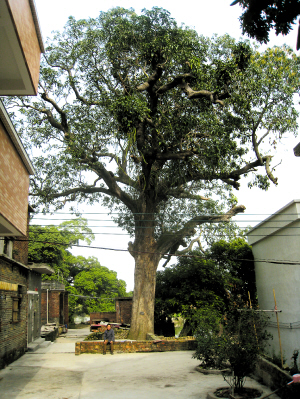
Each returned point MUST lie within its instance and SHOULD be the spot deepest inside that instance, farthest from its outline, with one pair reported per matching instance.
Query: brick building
(20, 298)
(121, 315)
(14, 183)
(34, 294)
(13, 309)
(54, 303)
(20, 48)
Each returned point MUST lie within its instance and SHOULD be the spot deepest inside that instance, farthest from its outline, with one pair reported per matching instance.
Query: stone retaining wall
(137, 346)
(272, 376)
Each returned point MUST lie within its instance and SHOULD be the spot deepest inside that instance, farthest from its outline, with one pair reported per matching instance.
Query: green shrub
(210, 340)
(233, 341)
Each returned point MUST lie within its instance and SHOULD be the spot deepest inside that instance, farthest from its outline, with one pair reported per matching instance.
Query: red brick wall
(25, 28)
(43, 307)
(66, 308)
(121, 315)
(110, 316)
(14, 184)
(123, 309)
(53, 306)
(20, 248)
(13, 335)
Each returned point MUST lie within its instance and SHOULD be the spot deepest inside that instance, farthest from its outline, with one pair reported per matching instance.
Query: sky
(207, 18)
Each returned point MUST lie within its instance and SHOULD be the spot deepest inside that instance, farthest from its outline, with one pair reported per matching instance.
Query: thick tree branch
(230, 178)
(76, 92)
(182, 81)
(152, 79)
(63, 116)
(140, 136)
(213, 97)
(231, 182)
(125, 179)
(184, 251)
(112, 185)
(167, 241)
(74, 191)
(182, 194)
(177, 81)
(49, 116)
(255, 148)
(269, 172)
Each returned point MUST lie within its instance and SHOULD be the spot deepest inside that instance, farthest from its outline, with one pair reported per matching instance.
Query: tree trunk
(142, 317)
(186, 330)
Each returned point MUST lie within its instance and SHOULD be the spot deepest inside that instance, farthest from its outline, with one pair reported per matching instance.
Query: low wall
(272, 376)
(137, 346)
(52, 335)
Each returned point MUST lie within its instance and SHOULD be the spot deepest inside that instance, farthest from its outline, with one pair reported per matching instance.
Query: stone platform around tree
(130, 346)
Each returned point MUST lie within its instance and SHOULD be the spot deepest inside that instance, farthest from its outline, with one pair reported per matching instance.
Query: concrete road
(55, 372)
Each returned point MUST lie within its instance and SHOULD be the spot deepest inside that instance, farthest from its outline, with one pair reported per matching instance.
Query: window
(16, 309)
(6, 246)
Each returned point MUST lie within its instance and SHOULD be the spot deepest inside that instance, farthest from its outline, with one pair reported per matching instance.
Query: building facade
(122, 314)
(20, 48)
(54, 303)
(276, 250)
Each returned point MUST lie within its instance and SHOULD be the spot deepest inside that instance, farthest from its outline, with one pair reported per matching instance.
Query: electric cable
(272, 261)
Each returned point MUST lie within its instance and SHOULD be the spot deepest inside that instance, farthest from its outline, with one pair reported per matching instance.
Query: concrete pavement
(55, 372)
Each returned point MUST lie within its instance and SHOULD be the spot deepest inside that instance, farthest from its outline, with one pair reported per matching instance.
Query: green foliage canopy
(260, 16)
(100, 282)
(217, 279)
(51, 244)
(235, 259)
(84, 277)
(157, 123)
(156, 116)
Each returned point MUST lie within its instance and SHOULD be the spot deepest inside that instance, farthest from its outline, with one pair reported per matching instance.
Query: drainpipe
(47, 305)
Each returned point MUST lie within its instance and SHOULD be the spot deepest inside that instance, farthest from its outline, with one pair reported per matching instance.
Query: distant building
(121, 315)
(35, 297)
(55, 303)
(276, 250)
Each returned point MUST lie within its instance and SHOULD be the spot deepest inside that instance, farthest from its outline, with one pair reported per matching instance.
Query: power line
(273, 261)
(228, 234)
(153, 213)
(232, 220)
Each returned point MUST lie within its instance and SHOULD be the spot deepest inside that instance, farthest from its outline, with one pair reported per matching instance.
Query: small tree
(233, 341)
(210, 341)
